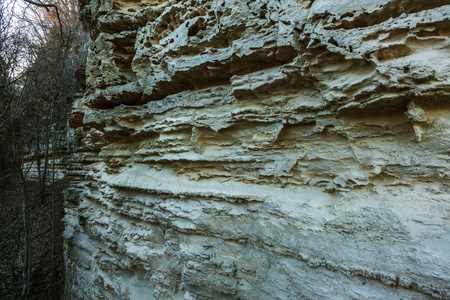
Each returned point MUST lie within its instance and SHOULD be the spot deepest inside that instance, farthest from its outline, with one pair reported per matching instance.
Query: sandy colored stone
(234, 149)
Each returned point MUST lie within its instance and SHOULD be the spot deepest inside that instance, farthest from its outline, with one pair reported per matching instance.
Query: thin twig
(47, 6)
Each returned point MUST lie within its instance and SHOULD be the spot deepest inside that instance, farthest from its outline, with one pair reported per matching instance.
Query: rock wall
(237, 149)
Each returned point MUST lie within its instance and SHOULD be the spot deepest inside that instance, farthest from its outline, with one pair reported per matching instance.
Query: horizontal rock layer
(237, 149)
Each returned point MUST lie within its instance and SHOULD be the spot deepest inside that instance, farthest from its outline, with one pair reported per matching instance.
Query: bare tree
(10, 112)
(38, 59)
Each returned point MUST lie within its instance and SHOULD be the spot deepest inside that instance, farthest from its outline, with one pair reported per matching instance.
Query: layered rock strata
(237, 149)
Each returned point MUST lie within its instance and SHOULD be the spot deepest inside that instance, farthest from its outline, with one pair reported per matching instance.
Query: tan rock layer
(236, 149)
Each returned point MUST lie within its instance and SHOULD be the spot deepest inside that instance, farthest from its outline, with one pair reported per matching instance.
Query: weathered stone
(237, 149)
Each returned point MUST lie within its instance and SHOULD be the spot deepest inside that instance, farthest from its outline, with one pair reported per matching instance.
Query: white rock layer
(237, 149)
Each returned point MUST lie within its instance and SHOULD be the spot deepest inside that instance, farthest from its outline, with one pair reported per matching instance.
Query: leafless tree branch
(47, 6)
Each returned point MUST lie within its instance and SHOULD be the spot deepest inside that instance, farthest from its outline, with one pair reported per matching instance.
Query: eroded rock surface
(237, 149)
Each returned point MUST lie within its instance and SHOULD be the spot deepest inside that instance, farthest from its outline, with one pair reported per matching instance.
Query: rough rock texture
(237, 149)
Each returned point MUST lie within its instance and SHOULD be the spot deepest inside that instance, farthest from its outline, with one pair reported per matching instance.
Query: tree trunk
(27, 244)
(15, 152)
(26, 273)
(38, 163)
(53, 251)
(47, 146)
(53, 280)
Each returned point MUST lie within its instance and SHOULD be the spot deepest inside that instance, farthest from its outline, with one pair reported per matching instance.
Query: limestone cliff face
(237, 149)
